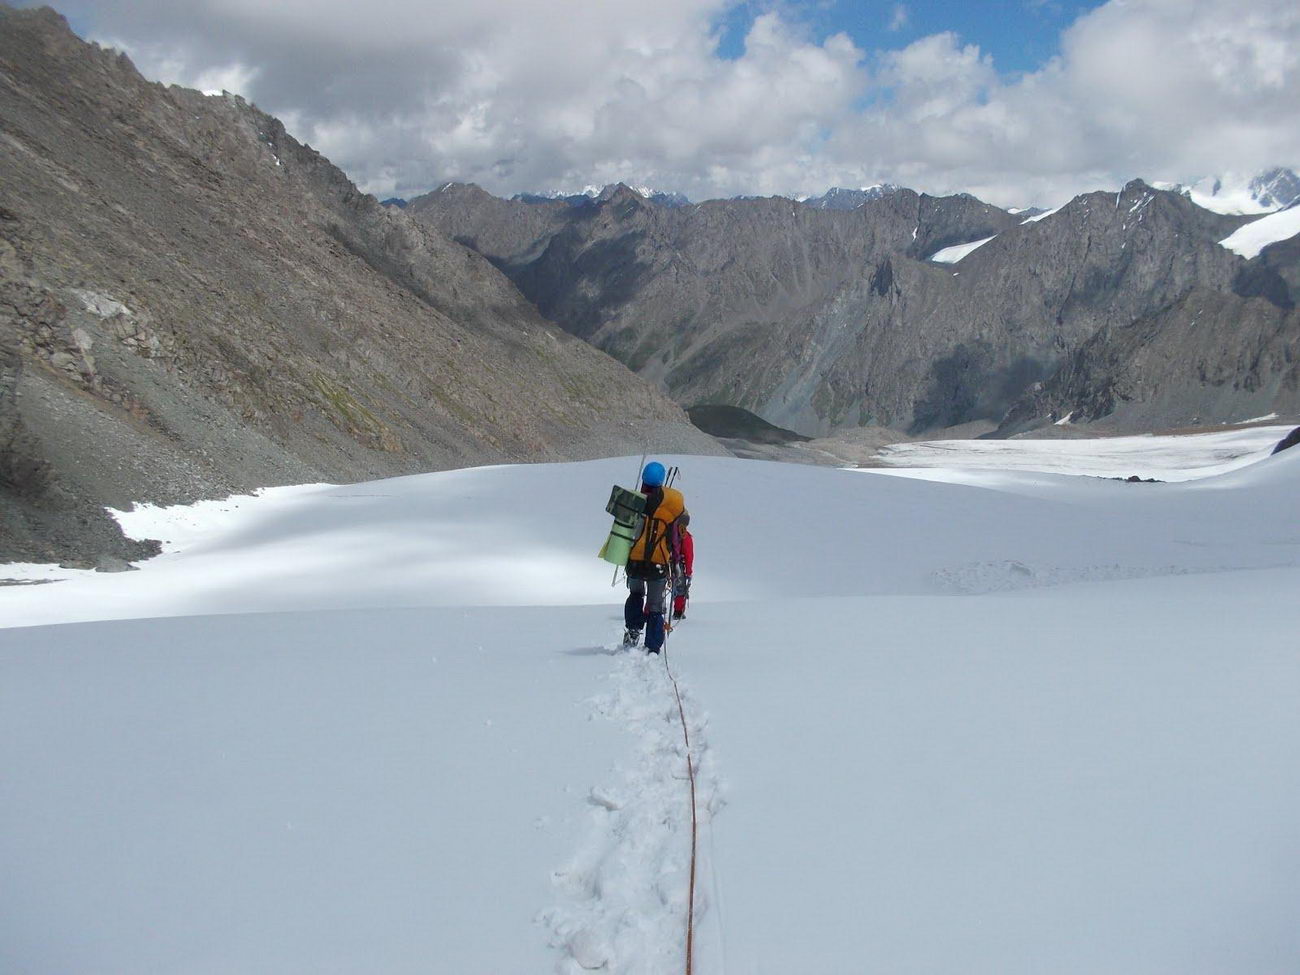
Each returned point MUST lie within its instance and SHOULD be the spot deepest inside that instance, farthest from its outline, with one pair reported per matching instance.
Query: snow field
(295, 792)
(1099, 778)
(1164, 458)
(382, 727)
(471, 538)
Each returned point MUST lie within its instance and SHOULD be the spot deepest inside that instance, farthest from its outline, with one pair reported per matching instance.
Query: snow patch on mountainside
(1249, 240)
(951, 255)
(1044, 215)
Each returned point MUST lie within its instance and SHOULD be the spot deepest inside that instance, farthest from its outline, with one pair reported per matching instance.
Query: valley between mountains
(193, 303)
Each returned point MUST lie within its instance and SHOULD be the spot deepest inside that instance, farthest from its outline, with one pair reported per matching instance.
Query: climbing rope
(686, 737)
(690, 774)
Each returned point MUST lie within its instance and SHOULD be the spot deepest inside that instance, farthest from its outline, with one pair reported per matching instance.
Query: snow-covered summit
(1234, 194)
(844, 198)
(589, 194)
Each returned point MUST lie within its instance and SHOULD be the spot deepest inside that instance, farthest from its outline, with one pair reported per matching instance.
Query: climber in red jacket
(684, 567)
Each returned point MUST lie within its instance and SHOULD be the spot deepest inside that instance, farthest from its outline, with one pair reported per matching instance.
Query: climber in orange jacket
(648, 564)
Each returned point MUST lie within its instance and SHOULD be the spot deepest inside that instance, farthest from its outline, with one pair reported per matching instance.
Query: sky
(1020, 102)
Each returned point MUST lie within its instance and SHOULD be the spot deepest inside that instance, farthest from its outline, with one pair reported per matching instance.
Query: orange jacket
(656, 530)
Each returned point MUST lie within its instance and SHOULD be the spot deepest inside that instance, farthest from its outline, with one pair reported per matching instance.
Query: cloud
(404, 95)
(1164, 89)
(900, 17)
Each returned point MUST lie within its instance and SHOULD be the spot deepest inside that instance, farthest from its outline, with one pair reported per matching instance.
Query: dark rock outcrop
(733, 423)
(1208, 356)
(1287, 442)
(42, 520)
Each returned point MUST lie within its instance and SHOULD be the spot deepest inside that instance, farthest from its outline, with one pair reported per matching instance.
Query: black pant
(645, 607)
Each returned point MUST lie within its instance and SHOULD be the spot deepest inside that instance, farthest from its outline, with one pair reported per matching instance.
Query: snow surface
(951, 255)
(1164, 458)
(1249, 240)
(1230, 194)
(1044, 215)
(1238, 203)
(1014, 722)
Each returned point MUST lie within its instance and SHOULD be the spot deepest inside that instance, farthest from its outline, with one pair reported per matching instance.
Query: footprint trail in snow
(622, 900)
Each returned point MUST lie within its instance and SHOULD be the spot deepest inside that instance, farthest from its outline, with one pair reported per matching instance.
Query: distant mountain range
(817, 318)
(1274, 189)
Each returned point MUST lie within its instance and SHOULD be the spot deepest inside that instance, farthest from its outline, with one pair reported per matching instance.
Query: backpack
(629, 511)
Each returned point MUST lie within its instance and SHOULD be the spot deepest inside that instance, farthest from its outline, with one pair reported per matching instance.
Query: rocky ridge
(1277, 187)
(1208, 356)
(732, 301)
(192, 303)
(822, 319)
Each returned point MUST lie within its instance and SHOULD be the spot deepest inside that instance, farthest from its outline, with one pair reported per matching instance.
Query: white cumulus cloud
(521, 95)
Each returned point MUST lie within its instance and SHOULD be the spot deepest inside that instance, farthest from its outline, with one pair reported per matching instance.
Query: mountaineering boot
(631, 637)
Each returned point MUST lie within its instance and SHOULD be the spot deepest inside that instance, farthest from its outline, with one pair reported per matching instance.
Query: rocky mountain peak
(466, 193)
(619, 193)
(1277, 188)
(619, 201)
(666, 199)
(193, 304)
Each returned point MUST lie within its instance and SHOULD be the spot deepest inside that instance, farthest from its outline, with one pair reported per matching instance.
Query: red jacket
(687, 551)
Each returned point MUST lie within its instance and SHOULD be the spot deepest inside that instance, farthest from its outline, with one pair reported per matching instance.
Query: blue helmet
(653, 475)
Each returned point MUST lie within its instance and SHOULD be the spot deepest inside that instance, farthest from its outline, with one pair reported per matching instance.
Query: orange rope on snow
(690, 772)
